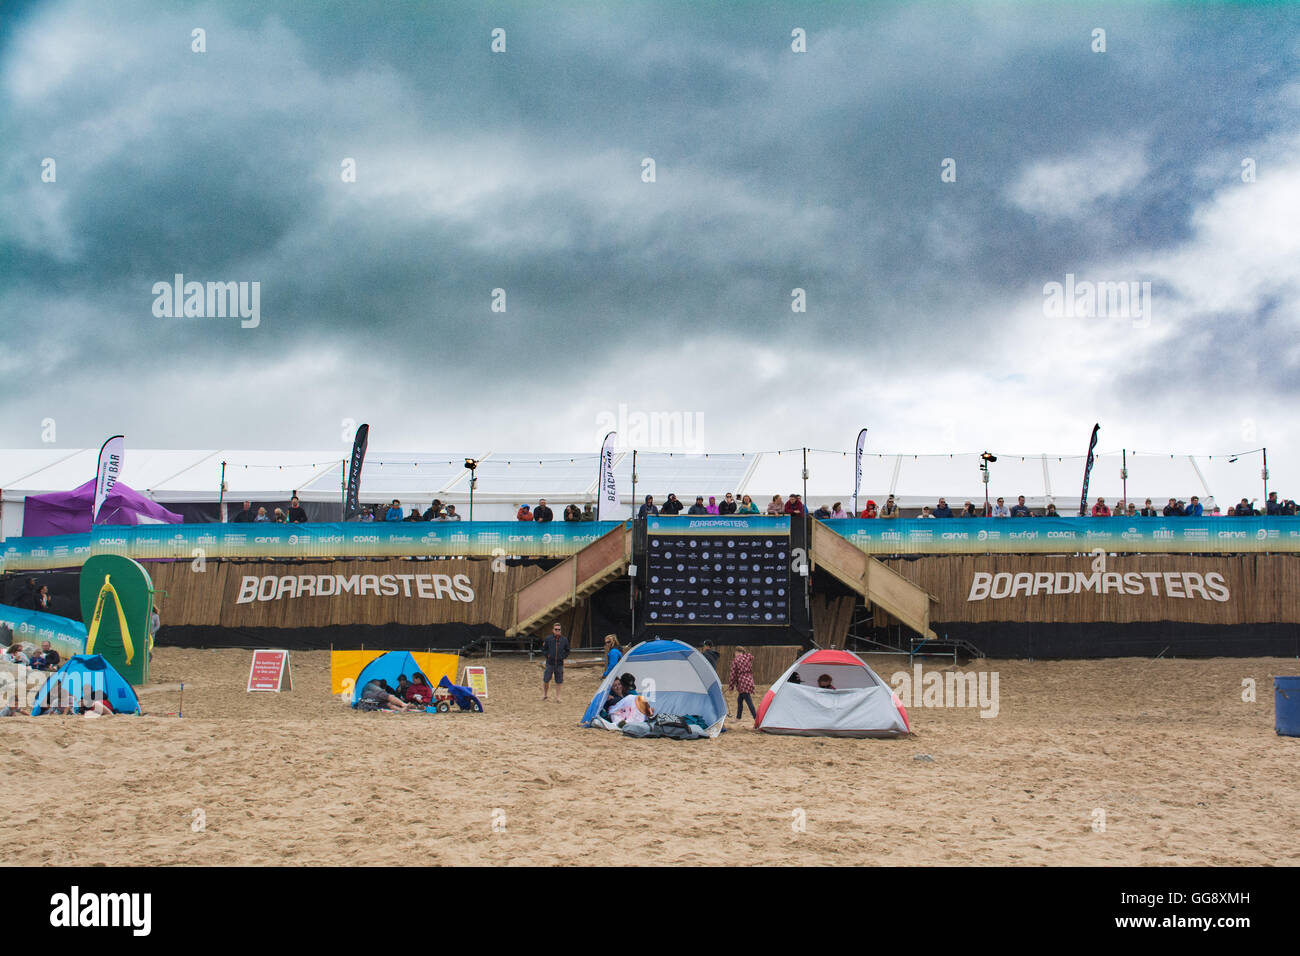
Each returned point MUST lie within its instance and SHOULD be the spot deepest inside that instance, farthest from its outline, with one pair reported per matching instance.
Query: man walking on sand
(555, 647)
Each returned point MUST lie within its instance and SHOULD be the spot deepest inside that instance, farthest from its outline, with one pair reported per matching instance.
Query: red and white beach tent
(859, 705)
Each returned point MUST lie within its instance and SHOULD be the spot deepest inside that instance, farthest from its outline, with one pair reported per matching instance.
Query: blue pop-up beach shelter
(675, 677)
(387, 667)
(84, 672)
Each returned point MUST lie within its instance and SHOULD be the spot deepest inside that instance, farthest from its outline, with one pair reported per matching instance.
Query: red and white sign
(475, 678)
(270, 671)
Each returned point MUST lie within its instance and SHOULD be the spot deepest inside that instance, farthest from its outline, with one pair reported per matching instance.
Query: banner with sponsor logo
(200, 543)
(486, 539)
(351, 504)
(65, 635)
(607, 489)
(44, 554)
(341, 593)
(712, 524)
(1068, 535)
(857, 470)
(107, 471)
(1121, 589)
(1087, 471)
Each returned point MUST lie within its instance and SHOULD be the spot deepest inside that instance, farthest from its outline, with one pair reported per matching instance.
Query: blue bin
(1286, 704)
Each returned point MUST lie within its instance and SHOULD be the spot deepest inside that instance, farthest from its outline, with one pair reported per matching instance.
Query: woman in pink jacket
(741, 681)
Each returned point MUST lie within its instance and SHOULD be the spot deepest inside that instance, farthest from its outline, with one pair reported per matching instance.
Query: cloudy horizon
(915, 180)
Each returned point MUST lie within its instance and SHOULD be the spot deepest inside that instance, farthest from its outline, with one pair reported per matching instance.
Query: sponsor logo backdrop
(1242, 589)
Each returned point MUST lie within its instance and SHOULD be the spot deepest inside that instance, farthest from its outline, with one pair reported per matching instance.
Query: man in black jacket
(542, 513)
(297, 513)
(672, 506)
(248, 514)
(30, 598)
(555, 648)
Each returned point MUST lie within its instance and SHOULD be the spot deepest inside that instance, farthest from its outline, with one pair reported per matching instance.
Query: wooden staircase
(878, 583)
(538, 604)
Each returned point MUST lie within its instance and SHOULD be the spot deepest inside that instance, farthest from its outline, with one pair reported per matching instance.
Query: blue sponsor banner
(261, 540)
(717, 524)
(485, 539)
(40, 554)
(65, 635)
(1069, 535)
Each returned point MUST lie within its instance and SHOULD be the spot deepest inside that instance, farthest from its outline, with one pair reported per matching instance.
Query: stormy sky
(1171, 158)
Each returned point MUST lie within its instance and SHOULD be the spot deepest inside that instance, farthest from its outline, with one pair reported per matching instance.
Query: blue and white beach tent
(675, 677)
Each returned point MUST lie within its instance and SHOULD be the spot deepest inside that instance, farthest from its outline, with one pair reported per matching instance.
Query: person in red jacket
(419, 691)
(741, 680)
(1099, 510)
(524, 514)
(870, 510)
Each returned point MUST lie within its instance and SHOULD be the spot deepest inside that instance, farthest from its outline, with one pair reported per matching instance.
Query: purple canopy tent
(68, 512)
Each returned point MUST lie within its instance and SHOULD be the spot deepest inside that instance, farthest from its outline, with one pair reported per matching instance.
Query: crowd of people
(46, 659)
(793, 505)
(413, 693)
(392, 511)
(294, 514)
(543, 512)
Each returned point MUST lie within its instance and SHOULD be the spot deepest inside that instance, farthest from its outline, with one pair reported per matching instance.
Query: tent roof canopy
(171, 475)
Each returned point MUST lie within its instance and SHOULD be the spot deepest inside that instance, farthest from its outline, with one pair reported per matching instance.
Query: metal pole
(221, 496)
(1264, 475)
(1123, 474)
(473, 480)
(805, 480)
(631, 581)
(343, 486)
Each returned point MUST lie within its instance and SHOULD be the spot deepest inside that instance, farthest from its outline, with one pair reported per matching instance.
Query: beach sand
(1113, 762)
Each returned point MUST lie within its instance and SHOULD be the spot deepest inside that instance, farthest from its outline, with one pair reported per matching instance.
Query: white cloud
(1070, 187)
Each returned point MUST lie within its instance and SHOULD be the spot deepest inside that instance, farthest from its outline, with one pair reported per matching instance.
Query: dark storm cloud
(521, 171)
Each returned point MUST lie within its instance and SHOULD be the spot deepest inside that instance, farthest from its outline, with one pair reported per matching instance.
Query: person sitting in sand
(824, 682)
(617, 691)
(418, 691)
(97, 705)
(403, 682)
(632, 709)
(92, 703)
(379, 693)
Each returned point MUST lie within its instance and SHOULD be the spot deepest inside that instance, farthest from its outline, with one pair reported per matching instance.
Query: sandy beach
(1113, 762)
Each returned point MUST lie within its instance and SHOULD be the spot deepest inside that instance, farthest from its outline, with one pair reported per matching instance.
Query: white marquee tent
(507, 479)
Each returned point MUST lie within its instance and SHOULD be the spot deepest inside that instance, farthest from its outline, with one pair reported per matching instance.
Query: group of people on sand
(411, 693)
(740, 678)
(90, 702)
(46, 659)
(623, 703)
